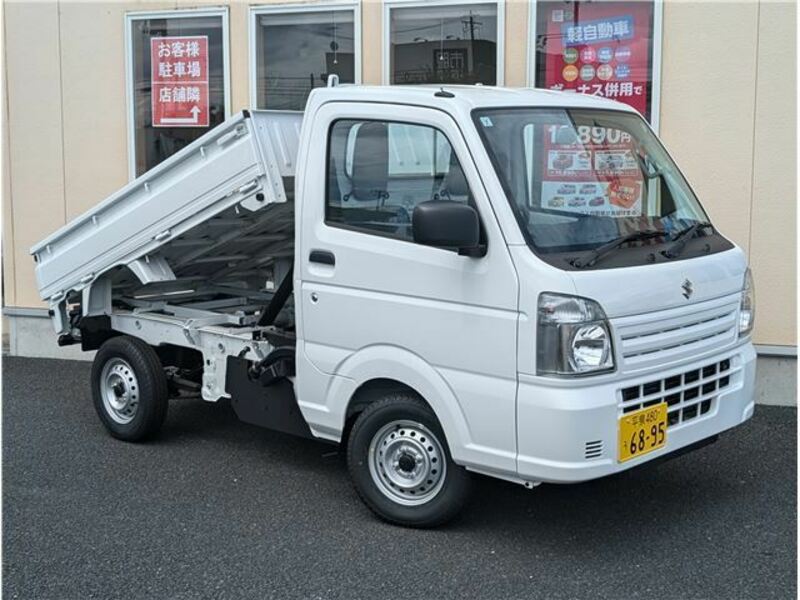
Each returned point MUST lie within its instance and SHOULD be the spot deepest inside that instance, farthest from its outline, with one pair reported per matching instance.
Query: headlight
(573, 336)
(747, 307)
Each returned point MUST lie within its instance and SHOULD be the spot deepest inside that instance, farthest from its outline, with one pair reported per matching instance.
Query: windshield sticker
(591, 170)
(486, 121)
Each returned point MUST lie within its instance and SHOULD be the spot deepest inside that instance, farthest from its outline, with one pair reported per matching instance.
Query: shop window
(609, 49)
(177, 82)
(456, 44)
(296, 51)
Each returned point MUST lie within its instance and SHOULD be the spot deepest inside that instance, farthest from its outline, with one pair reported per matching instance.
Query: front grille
(675, 334)
(688, 395)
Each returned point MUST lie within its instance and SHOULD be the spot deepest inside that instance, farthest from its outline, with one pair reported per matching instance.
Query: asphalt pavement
(215, 508)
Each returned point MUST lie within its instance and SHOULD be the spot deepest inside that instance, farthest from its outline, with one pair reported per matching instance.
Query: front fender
(325, 397)
(399, 364)
(327, 418)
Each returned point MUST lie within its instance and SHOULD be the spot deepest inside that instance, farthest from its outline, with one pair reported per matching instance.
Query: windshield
(579, 179)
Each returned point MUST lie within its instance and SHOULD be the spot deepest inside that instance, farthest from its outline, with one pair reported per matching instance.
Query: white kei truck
(513, 282)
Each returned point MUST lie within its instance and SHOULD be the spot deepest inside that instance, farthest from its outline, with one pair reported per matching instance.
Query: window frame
(389, 5)
(132, 16)
(655, 84)
(380, 234)
(307, 7)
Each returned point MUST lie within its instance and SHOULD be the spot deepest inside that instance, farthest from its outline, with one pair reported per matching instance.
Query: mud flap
(274, 407)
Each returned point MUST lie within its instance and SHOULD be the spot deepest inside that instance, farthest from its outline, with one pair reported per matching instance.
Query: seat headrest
(370, 174)
(455, 183)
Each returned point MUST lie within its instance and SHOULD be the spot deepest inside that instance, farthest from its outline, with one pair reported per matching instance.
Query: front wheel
(400, 464)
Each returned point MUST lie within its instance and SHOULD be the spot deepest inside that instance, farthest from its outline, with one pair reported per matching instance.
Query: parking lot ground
(215, 508)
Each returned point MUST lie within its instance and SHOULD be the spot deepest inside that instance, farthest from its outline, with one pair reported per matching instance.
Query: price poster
(597, 48)
(594, 172)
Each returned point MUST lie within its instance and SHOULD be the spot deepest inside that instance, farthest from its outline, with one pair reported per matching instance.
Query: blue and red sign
(611, 28)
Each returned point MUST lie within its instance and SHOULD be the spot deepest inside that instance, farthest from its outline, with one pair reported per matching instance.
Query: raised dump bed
(213, 220)
(191, 254)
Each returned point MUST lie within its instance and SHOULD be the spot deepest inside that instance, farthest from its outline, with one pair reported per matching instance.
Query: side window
(379, 171)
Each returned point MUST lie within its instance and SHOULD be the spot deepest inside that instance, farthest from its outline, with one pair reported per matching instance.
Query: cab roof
(464, 97)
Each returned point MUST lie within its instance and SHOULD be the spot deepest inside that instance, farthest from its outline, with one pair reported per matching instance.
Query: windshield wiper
(610, 247)
(680, 240)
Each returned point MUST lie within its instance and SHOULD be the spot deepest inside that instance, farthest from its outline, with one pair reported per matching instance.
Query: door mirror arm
(478, 251)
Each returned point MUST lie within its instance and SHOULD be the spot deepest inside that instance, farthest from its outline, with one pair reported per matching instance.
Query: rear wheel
(400, 464)
(129, 388)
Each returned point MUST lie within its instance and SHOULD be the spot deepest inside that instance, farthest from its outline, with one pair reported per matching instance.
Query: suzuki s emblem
(687, 288)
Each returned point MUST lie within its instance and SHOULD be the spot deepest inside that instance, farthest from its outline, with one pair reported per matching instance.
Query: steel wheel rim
(407, 463)
(119, 389)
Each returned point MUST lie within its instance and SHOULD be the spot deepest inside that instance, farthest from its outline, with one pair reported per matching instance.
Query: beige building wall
(773, 196)
(35, 130)
(727, 115)
(728, 104)
(9, 297)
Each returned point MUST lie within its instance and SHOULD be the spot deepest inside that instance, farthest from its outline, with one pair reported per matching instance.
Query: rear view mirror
(447, 224)
(566, 136)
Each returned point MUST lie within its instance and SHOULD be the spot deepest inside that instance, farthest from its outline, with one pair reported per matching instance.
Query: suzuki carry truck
(513, 282)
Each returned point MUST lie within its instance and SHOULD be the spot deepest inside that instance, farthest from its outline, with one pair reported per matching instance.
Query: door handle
(323, 257)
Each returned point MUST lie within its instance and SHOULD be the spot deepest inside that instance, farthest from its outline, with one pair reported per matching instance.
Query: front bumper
(568, 434)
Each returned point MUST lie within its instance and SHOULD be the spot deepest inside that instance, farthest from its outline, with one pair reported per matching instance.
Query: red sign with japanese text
(597, 48)
(179, 77)
(592, 171)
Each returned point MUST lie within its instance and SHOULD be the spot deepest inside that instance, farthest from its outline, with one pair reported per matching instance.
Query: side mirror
(447, 224)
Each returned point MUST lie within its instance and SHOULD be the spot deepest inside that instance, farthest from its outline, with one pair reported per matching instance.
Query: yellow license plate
(642, 431)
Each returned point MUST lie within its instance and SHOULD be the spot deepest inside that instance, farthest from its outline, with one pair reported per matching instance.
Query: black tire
(146, 385)
(453, 489)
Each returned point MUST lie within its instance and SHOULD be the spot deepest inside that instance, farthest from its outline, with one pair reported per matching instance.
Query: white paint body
(461, 331)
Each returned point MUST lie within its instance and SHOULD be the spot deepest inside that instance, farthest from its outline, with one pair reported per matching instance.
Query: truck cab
(513, 282)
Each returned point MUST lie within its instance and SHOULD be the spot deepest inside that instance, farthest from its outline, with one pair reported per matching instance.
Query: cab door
(365, 289)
